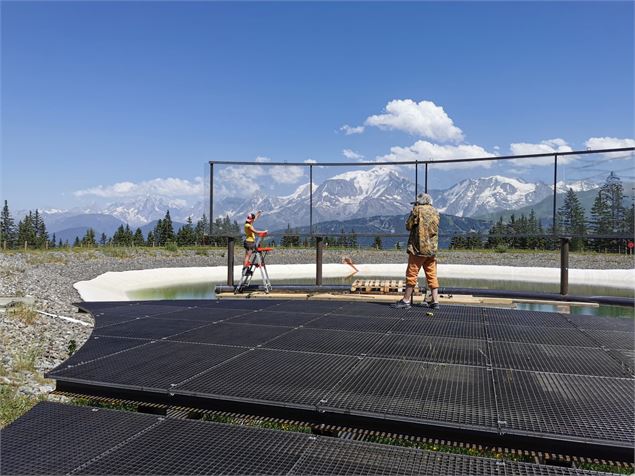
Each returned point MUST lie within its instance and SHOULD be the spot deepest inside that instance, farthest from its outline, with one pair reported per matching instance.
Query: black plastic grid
(204, 314)
(430, 326)
(626, 357)
(269, 318)
(540, 335)
(282, 376)
(312, 306)
(607, 323)
(555, 358)
(97, 347)
(353, 323)
(417, 311)
(597, 408)
(514, 317)
(612, 339)
(149, 328)
(326, 341)
(156, 365)
(194, 447)
(61, 439)
(245, 304)
(337, 457)
(138, 310)
(432, 349)
(447, 393)
(54, 438)
(231, 334)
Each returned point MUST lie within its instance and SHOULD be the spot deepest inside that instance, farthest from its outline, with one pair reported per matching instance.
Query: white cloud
(261, 159)
(545, 147)
(349, 130)
(424, 119)
(310, 161)
(611, 143)
(426, 151)
(288, 174)
(351, 154)
(167, 187)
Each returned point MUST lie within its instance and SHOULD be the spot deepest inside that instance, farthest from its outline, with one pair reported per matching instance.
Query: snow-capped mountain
(379, 191)
(358, 194)
(576, 186)
(483, 195)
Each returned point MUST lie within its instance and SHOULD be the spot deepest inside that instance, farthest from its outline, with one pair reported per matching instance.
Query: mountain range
(355, 195)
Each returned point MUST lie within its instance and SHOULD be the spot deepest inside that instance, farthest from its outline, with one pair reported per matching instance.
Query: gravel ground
(49, 276)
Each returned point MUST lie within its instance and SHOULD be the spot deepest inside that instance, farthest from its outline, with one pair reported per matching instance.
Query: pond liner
(343, 288)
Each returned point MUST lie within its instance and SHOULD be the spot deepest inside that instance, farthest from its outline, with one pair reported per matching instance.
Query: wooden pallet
(376, 286)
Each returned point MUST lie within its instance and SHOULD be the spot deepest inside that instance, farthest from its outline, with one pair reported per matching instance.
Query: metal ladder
(257, 261)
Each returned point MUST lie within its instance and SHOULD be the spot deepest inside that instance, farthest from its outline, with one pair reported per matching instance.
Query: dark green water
(206, 291)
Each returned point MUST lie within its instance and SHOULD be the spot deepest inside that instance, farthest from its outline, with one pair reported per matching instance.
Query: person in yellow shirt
(250, 238)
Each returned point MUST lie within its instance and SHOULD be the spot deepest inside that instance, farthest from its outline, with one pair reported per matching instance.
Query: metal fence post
(426, 178)
(564, 265)
(230, 260)
(319, 248)
(211, 198)
(310, 199)
(555, 191)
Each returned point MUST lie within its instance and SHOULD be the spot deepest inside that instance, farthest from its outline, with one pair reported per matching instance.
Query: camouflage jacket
(423, 225)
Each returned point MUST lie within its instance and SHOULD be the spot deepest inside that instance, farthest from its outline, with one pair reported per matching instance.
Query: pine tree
(572, 220)
(600, 222)
(168, 229)
(52, 241)
(103, 239)
(377, 244)
(159, 238)
(137, 239)
(89, 238)
(118, 236)
(202, 228)
(128, 235)
(7, 227)
(76, 242)
(151, 239)
(353, 239)
(26, 231)
(186, 236)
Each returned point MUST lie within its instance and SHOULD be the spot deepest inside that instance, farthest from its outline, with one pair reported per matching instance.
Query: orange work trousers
(429, 265)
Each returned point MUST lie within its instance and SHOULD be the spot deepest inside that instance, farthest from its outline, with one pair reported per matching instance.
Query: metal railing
(563, 239)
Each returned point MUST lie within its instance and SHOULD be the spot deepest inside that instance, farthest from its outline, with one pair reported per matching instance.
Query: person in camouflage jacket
(423, 242)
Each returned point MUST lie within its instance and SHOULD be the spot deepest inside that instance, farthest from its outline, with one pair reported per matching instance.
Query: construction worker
(423, 225)
(250, 239)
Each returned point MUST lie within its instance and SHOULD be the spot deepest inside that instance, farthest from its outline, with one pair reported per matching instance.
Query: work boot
(433, 305)
(401, 304)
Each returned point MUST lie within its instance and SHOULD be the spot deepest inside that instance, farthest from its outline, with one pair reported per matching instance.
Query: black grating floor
(270, 318)
(290, 377)
(471, 367)
(623, 324)
(555, 358)
(432, 349)
(612, 339)
(456, 394)
(540, 335)
(586, 407)
(156, 365)
(326, 341)
(61, 439)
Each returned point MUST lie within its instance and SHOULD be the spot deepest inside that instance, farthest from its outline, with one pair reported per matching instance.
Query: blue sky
(96, 94)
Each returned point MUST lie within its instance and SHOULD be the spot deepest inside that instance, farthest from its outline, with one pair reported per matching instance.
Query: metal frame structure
(416, 163)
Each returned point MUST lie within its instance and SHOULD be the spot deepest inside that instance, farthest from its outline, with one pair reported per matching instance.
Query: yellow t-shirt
(249, 232)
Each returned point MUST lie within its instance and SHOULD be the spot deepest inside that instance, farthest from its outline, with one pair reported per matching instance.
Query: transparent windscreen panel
(365, 205)
(594, 204)
(278, 195)
(487, 203)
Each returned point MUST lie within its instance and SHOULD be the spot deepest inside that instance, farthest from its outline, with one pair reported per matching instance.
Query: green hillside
(544, 208)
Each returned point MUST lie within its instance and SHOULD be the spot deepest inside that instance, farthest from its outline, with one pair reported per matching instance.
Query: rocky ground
(33, 343)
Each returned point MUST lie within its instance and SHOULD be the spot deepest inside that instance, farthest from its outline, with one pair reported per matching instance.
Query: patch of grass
(171, 246)
(23, 313)
(13, 404)
(256, 423)
(24, 361)
(92, 402)
(117, 252)
(45, 258)
(201, 252)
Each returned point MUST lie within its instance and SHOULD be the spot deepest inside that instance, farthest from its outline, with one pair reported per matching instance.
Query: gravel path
(49, 278)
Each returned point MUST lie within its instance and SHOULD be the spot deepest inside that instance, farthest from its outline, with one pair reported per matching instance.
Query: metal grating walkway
(54, 438)
(532, 379)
